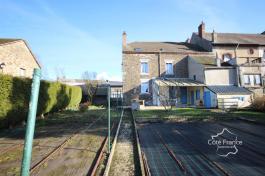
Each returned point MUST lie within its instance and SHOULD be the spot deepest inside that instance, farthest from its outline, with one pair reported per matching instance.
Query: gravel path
(123, 160)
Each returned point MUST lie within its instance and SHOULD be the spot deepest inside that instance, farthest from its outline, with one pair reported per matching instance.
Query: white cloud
(106, 76)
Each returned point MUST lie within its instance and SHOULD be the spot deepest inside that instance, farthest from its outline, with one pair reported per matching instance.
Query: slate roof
(205, 60)
(235, 38)
(6, 40)
(209, 61)
(165, 46)
(229, 90)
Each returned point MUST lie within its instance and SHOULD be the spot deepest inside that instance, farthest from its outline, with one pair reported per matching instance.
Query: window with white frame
(246, 80)
(22, 72)
(144, 67)
(257, 80)
(145, 87)
(169, 68)
(252, 79)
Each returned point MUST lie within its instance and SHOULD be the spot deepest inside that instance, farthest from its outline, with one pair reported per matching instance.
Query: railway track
(239, 129)
(170, 152)
(60, 147)
(189, 141)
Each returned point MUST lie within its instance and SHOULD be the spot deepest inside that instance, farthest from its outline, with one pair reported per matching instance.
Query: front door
(207, 99)
(183, 95)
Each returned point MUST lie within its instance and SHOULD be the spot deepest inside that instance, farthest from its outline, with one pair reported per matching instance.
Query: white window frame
(147, 63)
(246, 80)
(255, 79)
(143, 89)
(172, 70)
(22, 72)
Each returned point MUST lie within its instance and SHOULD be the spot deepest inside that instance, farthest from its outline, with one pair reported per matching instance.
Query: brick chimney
(201, 30)
(124, 39)
(214, 36)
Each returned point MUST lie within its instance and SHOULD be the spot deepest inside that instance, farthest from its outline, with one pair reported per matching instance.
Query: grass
(192, 113)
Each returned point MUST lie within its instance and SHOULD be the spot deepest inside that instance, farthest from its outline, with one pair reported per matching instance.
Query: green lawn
(68, 117)
(192, 113)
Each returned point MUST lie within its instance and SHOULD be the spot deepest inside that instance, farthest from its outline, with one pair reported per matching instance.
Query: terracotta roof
(231, 90)
(163, 46)
(235, 38)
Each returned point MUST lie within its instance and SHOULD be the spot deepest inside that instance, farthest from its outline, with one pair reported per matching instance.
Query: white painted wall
(220, 76)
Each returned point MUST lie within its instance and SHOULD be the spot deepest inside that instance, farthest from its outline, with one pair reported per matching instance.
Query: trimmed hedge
(15, 94)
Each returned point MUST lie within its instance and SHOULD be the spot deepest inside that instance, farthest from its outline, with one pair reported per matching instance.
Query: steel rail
(171, 153)
(206, 157)
(239, 129)
(59, 147)
(97, 159)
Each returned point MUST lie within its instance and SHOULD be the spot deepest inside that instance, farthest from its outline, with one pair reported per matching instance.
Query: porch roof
(178, 82)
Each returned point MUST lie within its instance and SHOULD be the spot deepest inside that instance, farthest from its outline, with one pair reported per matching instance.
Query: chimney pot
(214, 36)
(201, 30)
(124, 39)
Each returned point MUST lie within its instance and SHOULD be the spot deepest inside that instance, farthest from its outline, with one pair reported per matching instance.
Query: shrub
(15, 94)
(75, 97)
(83, 107)
(259, 104)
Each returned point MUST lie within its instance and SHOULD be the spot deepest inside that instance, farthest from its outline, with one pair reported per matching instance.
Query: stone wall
(131, 65)
(18, 59)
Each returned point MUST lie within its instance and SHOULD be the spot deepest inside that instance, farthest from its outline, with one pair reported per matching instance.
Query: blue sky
(81, 35)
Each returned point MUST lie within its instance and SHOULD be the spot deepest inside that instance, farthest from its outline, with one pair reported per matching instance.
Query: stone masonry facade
(18, 59)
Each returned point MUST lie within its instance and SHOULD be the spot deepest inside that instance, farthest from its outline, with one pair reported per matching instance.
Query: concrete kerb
(106, 172)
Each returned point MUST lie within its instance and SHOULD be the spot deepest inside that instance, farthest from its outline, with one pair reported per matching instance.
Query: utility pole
(25, 166)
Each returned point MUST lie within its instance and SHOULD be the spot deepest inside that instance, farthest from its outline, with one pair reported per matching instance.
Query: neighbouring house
(220, 79)
(157, 72)
(16, 58)
(246, 52)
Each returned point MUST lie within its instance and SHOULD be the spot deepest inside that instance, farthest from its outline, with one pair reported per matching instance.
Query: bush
(75, 97)
(15, 94)
(83, 107)
(259, 104)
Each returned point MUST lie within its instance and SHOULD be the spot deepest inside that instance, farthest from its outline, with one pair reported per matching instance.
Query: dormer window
(227, 57)
(138, 49)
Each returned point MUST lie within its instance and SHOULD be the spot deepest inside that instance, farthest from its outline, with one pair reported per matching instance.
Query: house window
(144, 67)
(169, 68)
(258, 60)
(257, 80)
(227, 57)
(252, 80)
(197, 94)
(246, 80)
(145, 87)
(22, 72)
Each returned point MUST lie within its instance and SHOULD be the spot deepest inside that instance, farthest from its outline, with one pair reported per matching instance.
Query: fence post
(25, 165)
(108, 118)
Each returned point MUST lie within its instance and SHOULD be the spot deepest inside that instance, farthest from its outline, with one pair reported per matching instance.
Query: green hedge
(15, 94)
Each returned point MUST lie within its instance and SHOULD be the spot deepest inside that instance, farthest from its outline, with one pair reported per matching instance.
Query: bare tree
(91, 84)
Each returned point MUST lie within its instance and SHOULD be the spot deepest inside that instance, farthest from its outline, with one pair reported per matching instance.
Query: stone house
(246, 52)
(16, 58)
(157, 72)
